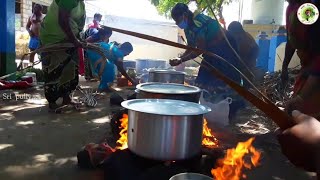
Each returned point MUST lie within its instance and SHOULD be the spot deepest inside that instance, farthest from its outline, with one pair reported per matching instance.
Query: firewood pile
(273, 88)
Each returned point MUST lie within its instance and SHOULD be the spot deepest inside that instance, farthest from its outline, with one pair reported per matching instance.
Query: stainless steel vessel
(164, 129)
(190, 176)
(166, 76)
(168, 91)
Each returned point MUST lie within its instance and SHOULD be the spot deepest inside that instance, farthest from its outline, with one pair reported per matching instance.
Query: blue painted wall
(7, 37)
(263, 58)
(274, 43)
(267, 52)
(7, 26)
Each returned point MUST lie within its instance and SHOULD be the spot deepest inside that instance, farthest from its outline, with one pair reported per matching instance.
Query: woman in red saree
(304, 39)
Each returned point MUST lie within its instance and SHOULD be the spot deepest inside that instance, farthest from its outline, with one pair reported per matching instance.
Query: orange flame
(208, 138)
(123, 140)
(122, 143)
(231, 166)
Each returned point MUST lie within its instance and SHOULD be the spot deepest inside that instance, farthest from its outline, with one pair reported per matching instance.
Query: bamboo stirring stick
(282, 119)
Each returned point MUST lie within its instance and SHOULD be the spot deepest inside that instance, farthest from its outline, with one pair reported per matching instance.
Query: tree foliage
(164, 6)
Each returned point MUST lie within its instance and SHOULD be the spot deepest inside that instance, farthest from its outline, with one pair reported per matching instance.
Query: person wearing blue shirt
(205, 33)
(94, 35)
(106, 69)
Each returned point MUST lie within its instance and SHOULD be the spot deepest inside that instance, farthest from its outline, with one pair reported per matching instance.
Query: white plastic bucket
(220, 111)
(34, 77)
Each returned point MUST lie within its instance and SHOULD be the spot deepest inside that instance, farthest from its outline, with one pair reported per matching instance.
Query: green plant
(39, 74)
(164, 6)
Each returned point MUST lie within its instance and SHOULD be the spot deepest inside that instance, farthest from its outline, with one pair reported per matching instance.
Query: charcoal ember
(84, 161)
(92, 155)
(116, 99)
(115, 122)
(162, 172)
(124, 165)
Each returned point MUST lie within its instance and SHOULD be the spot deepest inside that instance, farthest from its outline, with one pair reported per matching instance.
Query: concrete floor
(35, 144)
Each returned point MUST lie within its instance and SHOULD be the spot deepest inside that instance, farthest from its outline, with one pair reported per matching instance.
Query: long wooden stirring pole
(282, 119)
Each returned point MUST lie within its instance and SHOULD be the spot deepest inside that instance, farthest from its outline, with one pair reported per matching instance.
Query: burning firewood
(231, 166)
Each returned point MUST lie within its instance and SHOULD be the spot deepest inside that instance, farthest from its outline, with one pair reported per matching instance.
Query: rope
(282, 119)
(55, 48)
(89, 97)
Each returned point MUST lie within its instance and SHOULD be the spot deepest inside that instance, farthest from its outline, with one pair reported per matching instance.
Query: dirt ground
(35, 144)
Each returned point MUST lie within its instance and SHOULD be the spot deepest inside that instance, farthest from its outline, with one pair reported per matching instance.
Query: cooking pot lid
(166, 71)
(165, 107)
(167, 88)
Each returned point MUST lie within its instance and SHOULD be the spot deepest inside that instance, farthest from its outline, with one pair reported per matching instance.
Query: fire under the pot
(208, 141)
(213, 161)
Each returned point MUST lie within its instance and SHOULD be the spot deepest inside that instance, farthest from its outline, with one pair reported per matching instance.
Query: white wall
(144, 49)
(295, 61)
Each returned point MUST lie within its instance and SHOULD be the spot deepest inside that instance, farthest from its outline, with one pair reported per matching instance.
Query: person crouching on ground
(94, 36)
(105, 69)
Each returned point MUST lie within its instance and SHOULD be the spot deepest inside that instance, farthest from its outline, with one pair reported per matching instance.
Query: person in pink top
(94, 25)
(96, 20)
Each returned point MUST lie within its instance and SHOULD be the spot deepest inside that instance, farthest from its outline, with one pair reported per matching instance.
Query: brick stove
(125, 165)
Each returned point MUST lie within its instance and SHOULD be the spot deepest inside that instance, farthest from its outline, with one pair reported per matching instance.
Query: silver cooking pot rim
(168, 88)
(166, 71)
(190, 176)
(166, 107)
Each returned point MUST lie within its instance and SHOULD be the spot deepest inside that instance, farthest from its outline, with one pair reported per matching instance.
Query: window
(18, 20)
(18, 7)
(44, 10)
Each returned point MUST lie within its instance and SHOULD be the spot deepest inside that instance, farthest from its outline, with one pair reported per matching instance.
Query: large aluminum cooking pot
(145, 64)
(165, 129)
(190, 176)
(166, 76)
(168, 91)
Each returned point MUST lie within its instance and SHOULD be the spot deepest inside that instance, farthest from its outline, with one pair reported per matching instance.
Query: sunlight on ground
(20, 107)
(24, 123)
(37, 101)
(5, 146)
(6, 117)
(93, 110)
(42, 158)
(41, 163)
(117, 89)
(252, 127)
(61, 161)
(18, 171)
(101, 120)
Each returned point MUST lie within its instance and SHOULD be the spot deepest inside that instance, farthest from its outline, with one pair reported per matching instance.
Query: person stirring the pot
(205, 33)
(305, 40)
(301, 143)
(62, 24)
(105, 70)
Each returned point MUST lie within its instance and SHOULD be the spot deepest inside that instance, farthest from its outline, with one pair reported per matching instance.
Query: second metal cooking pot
(166, 76)
(190, 176)
(163, 129)
(168, 91)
